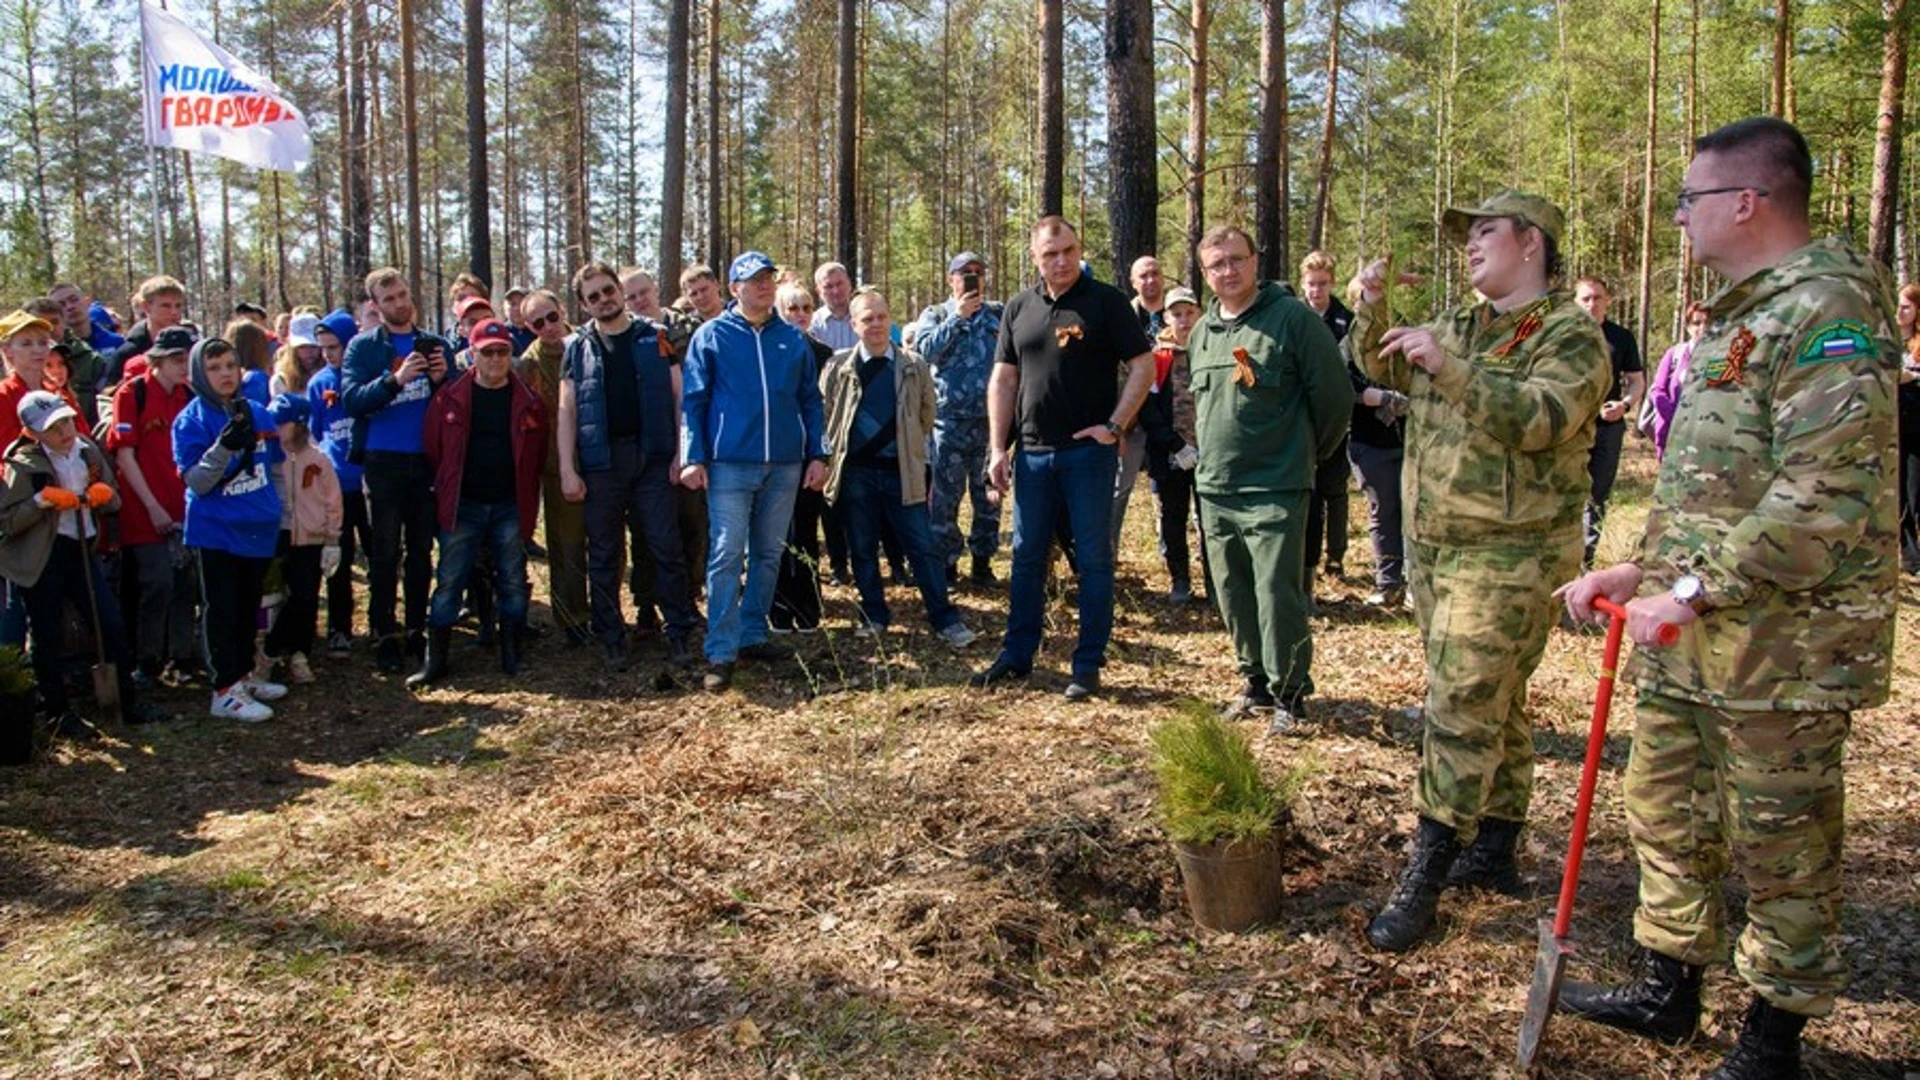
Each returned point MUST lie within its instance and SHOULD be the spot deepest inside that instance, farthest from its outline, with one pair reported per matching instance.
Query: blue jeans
(871, 499)
(497, 526)
(1077, 482)
(748, 509)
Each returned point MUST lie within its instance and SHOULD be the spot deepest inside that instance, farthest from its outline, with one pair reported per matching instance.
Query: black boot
(512, 634)
(434, 667)
(1410, 910)
(1769, 1046)
(1663, 1005)
(1488, 862)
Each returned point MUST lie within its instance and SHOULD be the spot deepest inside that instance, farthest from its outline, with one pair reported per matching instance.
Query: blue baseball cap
(290, 409)
(747, 265)
(963, 260)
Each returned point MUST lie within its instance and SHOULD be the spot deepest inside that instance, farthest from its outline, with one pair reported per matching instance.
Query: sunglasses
(551, 316)
(597, 294)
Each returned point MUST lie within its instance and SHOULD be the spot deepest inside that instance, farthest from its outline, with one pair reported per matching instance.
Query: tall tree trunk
(410, 123)
(1782, 48)
(29, 26)
(631, 205)
(510, 211)
(716, 204)
(1888, 132)
(1323, 188)
(1053, 134)
(673, 157)
(1270, 206)
(1693, 129)
(357, 204)
(846, 245)
(1643, 324)
(479, 210)
(1197, 135)
(1134, 208)
(578, 190)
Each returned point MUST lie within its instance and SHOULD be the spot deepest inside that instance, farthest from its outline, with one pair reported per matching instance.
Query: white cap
(300, 330)
(42, 409)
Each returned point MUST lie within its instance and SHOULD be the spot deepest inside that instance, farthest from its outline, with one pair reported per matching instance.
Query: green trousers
(1256, 548)
(1764, 792)
(1484, 617)
(565, 527)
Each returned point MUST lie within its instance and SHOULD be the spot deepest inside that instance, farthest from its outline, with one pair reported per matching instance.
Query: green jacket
(1269, 436)
(27, 529)
(1498, 438)
(1779, 490)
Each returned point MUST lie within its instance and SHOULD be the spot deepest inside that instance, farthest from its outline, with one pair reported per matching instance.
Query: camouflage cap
(1506, 203)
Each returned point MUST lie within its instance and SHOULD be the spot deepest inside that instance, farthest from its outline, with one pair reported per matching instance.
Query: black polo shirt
(1625, 353)
(1068, 351)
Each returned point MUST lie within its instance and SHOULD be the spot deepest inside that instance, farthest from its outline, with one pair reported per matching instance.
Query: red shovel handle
(1596, 742)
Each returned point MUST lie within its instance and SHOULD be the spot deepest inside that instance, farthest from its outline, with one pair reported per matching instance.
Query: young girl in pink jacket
(310, 520)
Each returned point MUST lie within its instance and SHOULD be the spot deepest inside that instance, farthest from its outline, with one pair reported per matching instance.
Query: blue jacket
(386, 416)
(960, 352)
(332, 427)
(750, 396)
(585, 365)
(232, 504)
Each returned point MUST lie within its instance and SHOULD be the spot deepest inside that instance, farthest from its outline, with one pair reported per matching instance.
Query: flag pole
(153, 159)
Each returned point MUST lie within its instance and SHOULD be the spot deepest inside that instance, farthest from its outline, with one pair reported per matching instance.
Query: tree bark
(1782, 47)
(846, 241)
(1643, 323)
(1888, 131)
(716, 203)
(1270, 147)
(479, 210)
(673, 172)
(30, 33)
(1134, 209)
(357, 180)
(1197, 135)
(578, 189)
(1053, 145)
(410, 122)
(1323, 187)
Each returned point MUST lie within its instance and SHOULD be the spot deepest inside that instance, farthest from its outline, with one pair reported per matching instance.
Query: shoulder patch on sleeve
(1841, 339)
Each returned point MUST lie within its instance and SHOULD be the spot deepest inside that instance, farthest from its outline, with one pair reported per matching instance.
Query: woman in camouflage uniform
(1503, 395)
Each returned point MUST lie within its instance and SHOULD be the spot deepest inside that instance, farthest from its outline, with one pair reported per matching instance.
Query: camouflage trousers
(960, 470)
(1766, 788)
(1484, 616)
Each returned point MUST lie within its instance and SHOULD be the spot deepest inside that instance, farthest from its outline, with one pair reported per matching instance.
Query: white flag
(199, 97)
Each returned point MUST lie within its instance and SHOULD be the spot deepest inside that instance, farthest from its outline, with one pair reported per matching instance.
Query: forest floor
(853, 866)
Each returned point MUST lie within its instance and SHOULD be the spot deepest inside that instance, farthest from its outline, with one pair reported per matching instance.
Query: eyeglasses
(598, 294)
(1686, 198)
(537, 323)
(1220, 266)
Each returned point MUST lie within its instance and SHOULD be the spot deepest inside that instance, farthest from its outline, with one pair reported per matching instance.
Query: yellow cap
(19, 321)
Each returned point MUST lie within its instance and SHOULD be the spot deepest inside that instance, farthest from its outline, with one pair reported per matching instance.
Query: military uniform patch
(1842, 339)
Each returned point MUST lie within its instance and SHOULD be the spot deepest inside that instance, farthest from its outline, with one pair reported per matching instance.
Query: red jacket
(449, 417)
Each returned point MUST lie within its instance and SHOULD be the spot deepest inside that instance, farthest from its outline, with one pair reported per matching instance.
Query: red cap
(491, 332)
(467, 304)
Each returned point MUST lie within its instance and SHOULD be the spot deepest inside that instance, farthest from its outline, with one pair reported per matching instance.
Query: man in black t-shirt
(1623, 401)
(1054, 387)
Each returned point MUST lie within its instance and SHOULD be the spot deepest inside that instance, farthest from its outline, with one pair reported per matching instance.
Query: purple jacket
(1664, 394)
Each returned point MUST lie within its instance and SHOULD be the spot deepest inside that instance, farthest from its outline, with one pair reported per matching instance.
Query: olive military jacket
(1497, 439)
(1779, 489)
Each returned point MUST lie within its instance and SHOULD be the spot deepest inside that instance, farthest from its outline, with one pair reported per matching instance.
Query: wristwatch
(1691, 591)
(1113, 429)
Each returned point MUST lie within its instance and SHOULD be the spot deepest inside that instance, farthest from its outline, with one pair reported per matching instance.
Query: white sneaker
(957, 635)
(234, 703)
(299, 670)
(263, 690)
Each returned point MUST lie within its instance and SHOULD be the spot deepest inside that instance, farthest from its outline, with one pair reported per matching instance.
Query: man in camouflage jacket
(1494, 486)
(1771, 543)
(957, 337)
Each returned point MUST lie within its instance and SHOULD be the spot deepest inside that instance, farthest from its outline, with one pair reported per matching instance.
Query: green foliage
(1211, 787)
(16, 673)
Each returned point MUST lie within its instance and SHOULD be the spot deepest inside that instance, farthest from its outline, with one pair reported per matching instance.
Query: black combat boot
(434, 667)
(1410, 910)
(512, 635)
(1488, 861)
(1663, 1005)
(1769, 1046)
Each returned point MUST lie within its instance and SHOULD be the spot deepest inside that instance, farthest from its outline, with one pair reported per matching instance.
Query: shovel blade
(1549, 965)
(106, 690)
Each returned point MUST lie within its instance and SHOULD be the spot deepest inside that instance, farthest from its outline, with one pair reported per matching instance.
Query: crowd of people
(762, 437)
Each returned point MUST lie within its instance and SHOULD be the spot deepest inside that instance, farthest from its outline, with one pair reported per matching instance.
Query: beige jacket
(913, 386)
